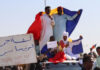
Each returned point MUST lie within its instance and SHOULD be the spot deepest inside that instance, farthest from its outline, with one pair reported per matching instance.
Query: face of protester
(98, 51)
(65, 38)
(48, 11)
(59, 11)
(52, 38)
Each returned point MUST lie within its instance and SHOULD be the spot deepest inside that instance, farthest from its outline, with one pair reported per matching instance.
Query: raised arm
(76, 42)
(72, 17)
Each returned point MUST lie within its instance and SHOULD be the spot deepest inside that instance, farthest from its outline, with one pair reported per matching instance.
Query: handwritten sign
(17, 49)
(52, 44)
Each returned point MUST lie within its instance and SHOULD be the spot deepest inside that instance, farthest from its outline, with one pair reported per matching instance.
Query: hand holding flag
(94, 46)
(78, 12)
(81, 37)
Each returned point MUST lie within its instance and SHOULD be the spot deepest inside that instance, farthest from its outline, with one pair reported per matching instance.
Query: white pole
(45, 3)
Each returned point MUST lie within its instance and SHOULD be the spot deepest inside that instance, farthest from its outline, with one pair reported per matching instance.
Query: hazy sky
(17, 15)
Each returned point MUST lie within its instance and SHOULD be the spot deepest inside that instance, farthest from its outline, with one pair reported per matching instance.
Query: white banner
(17, 49)
(52, 44)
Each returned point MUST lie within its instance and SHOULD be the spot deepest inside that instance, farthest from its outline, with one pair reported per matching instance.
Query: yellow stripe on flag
(53, 11)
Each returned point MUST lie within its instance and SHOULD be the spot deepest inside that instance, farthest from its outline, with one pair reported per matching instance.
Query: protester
(64, 42)
(47, 27)
(92, 54)
(85, 55)
(50, 52)
(43, 32)
(1, 68)
(97, 62)
(60, 22)
(67, 47)
(47, 53)
(35, 29)
(87, 63)
(98, 58)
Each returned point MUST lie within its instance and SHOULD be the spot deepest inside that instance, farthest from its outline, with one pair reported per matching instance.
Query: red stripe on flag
(36, 27)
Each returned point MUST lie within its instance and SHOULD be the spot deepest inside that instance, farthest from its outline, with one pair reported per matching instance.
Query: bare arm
(76, 42)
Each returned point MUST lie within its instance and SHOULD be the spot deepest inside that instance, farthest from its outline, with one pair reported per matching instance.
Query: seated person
(50, 52)
(67, 46)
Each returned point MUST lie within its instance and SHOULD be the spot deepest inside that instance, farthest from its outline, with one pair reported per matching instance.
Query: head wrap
(65, 34)
(59, 8)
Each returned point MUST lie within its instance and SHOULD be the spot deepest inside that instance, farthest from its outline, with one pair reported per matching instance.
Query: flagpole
(45, 3)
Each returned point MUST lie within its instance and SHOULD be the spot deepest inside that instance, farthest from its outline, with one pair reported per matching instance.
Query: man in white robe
(60, 23)
(47, 27)
(68, 46)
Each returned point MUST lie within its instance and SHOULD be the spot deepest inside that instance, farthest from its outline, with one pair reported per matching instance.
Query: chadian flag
(70, 25)
(36, 26)
(77, 49)
(94, 46)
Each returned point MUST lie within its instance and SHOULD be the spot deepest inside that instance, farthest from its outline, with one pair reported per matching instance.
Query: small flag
(94, 46)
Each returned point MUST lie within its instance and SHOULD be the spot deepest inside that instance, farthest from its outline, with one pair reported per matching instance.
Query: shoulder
(43, 16)
(98, 57)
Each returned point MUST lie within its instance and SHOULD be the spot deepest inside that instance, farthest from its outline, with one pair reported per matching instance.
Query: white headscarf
(65, 34)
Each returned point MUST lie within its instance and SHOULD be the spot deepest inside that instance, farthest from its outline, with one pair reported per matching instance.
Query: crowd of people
(91, 61)
(54, 29)
(55, 26)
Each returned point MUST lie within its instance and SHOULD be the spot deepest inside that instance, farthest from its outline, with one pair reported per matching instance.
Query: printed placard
(52, 44)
